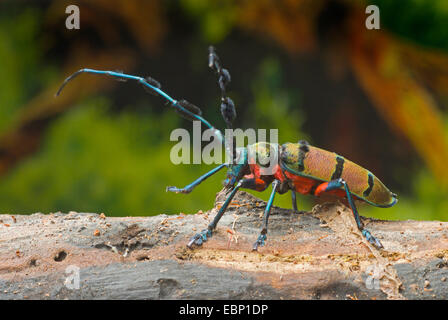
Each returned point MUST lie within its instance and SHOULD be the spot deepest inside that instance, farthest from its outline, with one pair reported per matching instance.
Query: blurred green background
(309, 68)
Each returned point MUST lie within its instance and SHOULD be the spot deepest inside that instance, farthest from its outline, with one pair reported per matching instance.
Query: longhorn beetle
(297, 167)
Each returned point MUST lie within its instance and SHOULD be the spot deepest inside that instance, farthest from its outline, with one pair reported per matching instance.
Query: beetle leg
(336, 184)
(294, 201)
(262, 237)
(192, 185)
(203, 236)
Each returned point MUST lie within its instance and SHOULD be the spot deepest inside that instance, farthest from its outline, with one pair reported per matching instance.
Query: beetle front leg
(336, 184)
(199, 238)
(192, 185)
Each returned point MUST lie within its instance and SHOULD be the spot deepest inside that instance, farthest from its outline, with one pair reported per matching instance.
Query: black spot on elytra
(337, 173)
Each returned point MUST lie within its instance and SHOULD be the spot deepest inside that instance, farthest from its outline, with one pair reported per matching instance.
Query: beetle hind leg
(336, 184)
(294, 201)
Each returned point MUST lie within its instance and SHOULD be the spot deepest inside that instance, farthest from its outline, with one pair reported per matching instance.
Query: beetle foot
(260, 242)
(199, 238)
(177, 190)
(374, 241)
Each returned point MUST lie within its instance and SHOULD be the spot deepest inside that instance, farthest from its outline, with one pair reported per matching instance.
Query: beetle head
(238, 168)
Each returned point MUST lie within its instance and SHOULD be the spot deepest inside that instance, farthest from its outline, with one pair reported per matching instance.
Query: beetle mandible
(296, 167)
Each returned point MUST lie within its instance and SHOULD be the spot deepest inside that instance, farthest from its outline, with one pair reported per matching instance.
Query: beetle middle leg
(262, 237)
(255, 184)
(336, 184)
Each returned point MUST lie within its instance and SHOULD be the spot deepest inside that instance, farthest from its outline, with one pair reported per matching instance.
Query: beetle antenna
(182, 107)
(227, 105)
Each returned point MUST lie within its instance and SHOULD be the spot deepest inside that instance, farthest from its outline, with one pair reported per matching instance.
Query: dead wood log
(309, 255)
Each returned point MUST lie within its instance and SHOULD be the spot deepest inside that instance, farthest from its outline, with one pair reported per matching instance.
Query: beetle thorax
(263, 154)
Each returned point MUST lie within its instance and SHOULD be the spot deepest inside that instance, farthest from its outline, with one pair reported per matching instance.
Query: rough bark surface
(308, 255)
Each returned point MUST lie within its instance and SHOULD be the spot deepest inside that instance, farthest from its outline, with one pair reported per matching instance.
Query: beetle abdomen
(305, 160)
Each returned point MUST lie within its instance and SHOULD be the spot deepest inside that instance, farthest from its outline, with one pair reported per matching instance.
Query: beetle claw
(260, 242)
(199, 238)
(374, 241)
(177, 190)
(171, 189)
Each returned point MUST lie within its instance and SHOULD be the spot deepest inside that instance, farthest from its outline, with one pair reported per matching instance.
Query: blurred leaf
(28, 125)
(291, 23)
(93, 162)
(424, 22)
(407, 106)
(20, 54)
(142, 19)
(216, 18)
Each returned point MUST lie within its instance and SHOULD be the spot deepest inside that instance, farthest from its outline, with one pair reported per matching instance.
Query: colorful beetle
(296, 167)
